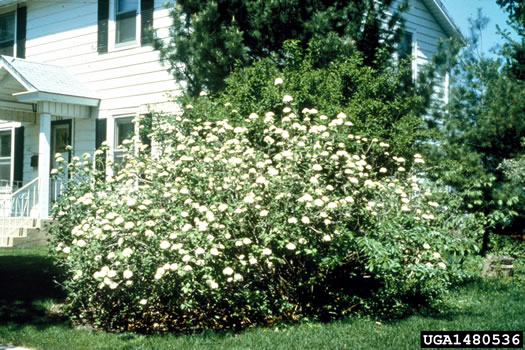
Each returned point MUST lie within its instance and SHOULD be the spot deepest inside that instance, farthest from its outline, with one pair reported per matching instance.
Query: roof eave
(442, 16)
(12, 71)
(39, 96)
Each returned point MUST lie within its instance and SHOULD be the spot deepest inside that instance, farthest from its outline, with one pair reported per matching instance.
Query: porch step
(24, 232)
(18, 221)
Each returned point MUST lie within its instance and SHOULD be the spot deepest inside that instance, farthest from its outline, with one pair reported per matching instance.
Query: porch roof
(44, 83)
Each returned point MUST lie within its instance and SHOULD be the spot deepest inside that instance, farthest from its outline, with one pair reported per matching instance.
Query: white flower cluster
(211, 200)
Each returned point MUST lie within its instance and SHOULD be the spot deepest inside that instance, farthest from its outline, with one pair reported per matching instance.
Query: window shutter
(100, 132)
(19, 155)
(21, 20)
(146, 25)
(103, 21)
(100, 136)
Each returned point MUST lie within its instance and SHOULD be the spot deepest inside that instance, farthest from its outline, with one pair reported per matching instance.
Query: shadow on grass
(482, 301)
(27, 284)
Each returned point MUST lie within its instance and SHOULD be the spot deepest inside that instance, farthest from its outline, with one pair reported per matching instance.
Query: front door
(60, 139)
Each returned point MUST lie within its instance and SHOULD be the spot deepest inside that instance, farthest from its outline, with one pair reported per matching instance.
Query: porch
(39, 106)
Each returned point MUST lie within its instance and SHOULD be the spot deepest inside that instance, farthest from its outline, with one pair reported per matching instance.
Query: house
(427, 22)
(77, 72)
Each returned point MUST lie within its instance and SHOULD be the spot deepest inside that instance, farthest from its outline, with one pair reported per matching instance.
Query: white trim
(113, 121)
(111, 135)
(12, 165)
(440, 13)
(116, 119)
(447, 87)
(40, 96)
(44, 161)
(414, 55)
(117, 113)
(110, 139)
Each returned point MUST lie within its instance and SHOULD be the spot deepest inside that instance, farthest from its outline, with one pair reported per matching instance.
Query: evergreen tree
(209, 39)
(514, 50)
(484, 126)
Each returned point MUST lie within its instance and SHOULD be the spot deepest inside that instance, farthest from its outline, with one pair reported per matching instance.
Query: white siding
(65, 34)
(83, 134)
(427, 34)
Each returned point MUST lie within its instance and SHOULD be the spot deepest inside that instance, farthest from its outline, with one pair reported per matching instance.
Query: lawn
(27, 293)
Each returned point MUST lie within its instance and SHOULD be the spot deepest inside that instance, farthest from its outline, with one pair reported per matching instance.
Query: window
(5, 158)
(124, 130)
(124, 24)
(126, 21)
(7, 33)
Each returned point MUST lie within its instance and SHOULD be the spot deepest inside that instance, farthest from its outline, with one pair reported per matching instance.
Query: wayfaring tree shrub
(234, 220)
(377, 101)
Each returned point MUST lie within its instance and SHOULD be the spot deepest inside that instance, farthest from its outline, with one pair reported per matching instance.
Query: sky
(461, 10)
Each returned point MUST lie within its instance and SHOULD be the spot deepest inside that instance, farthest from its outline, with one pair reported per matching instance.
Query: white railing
(15, 209)
(56, 188)
(25, 199)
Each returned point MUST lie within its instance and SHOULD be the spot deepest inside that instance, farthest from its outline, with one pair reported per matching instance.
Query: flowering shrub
(376, 100)
(278, 216)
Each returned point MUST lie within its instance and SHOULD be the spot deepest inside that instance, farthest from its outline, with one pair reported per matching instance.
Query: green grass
(27, 292)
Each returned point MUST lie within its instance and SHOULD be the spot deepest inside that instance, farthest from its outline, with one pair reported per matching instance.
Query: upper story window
(7, 33)
(13, 32)
(126, 21)
(124, 24)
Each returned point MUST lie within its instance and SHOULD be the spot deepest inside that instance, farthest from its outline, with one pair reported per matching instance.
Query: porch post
(44, 158)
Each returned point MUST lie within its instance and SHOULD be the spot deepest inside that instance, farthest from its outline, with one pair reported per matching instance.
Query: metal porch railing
(15, 208)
